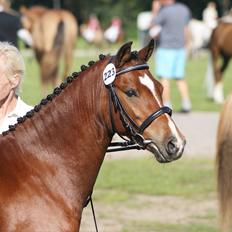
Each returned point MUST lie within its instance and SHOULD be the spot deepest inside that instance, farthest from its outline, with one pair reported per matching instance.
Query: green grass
(195, 74)
(188, 178)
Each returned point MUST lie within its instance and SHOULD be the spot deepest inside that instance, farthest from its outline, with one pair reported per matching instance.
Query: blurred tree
(126, 10)
(56, 3)
(225, 5)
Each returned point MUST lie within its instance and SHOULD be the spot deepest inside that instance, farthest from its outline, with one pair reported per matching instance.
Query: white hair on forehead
(13, 61)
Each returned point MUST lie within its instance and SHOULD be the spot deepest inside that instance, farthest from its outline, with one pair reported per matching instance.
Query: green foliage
(126, 10)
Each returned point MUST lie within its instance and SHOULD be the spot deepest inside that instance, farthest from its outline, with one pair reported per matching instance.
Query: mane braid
(50, 97)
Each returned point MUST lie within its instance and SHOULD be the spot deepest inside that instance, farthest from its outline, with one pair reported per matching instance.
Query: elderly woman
(11, 74)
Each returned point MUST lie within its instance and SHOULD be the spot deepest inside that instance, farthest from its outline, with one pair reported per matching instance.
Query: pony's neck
(70, 134)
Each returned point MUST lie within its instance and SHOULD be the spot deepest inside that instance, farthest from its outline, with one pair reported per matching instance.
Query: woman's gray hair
(14, 62)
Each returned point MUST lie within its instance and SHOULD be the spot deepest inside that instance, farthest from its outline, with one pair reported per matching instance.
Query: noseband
(134, 131)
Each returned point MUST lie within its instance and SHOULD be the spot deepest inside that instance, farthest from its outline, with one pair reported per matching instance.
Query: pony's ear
(146, 52)
(123, 55)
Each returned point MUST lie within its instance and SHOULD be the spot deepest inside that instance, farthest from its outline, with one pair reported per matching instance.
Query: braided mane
(51, 96)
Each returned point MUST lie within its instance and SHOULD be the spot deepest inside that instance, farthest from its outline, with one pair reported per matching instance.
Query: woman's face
(5, 85)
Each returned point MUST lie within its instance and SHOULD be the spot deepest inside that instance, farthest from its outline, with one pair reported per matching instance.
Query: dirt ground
(174, 210)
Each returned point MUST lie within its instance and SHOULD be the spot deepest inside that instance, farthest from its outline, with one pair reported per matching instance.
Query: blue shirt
(173, 19)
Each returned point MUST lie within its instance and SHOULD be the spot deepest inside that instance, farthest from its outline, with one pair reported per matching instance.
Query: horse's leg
(218, 87)
(218, 93)
(68, 57)
(68, 50)
(44, 90)
(226, 60)
(56, 79)
(209, 77)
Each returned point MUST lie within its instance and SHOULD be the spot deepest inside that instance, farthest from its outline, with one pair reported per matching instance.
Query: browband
(131, 68)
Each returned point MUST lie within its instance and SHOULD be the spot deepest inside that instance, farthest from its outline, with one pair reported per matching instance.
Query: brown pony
(54, 34)
(50, 160)
(224, 164)
(220, 47)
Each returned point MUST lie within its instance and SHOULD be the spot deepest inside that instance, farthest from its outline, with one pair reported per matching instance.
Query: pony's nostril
(172, 148)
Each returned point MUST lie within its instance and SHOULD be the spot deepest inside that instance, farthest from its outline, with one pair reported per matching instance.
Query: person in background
(155, 30)
(11, 27)
(170, 56)
(113, 32)
(144, 23)
(92, 31)
(11, 74)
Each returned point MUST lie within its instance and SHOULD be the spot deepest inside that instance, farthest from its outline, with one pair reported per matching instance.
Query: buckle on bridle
(139, 139)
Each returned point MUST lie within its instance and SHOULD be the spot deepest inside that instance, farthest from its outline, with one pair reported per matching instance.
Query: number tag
(109, 74)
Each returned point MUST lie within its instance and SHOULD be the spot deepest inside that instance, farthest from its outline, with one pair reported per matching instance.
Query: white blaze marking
(147, 81)
(175, 132)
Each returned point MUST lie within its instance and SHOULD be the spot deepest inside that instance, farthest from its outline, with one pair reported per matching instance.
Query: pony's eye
(131, 93)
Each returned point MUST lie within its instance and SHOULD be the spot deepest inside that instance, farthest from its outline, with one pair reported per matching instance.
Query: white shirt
(20, 110)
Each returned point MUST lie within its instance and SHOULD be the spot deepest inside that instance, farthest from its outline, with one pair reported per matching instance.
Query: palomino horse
(54, 34)
(50, 159)
(224, 165)
(220, 47)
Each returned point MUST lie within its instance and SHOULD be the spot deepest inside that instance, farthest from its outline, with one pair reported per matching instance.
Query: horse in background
(54, 33)
(199, 36)
(50, 160)
(224, 165)
(220, 53)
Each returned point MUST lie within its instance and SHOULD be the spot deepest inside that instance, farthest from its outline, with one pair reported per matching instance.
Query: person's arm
(156, 25)
(155, 31)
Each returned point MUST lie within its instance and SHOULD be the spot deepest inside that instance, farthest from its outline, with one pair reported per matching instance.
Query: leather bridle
(134, 131)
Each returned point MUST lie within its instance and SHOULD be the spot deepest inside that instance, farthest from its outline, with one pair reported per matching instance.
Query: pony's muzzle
(174, 148)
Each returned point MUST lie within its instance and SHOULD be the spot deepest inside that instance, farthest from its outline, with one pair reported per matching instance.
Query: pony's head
(138, 110)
